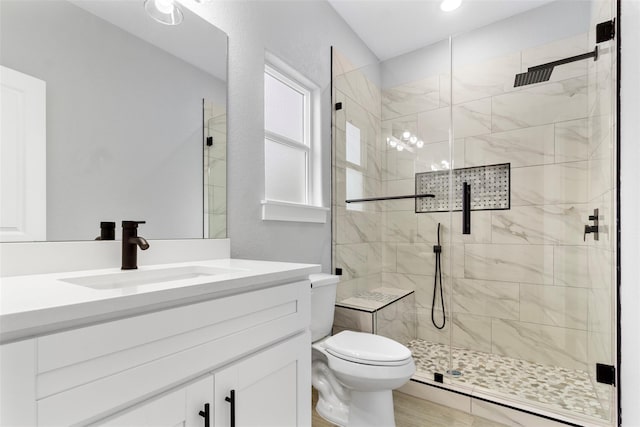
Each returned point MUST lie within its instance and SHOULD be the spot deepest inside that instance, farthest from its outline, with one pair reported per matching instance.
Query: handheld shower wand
(437, 278)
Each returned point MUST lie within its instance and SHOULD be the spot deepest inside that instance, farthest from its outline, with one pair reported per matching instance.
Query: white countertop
(34, 305)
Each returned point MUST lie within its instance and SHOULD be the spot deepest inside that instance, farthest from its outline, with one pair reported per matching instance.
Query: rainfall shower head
(533, 76)
(542, 73)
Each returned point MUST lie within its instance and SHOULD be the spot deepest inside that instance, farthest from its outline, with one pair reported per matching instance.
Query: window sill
(283, 211)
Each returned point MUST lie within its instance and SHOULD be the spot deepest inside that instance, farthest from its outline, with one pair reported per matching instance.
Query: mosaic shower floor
(564, 389)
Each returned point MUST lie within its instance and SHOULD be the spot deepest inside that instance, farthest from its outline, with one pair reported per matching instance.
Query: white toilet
(354, 372)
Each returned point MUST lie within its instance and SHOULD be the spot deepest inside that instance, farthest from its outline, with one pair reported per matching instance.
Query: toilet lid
(367, 348)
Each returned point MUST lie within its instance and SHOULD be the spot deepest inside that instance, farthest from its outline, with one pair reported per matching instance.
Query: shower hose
(437, 279)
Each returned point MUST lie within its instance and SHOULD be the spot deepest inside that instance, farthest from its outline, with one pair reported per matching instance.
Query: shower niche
(529, 304)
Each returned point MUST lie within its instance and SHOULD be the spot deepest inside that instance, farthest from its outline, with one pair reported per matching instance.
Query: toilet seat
(368, 349)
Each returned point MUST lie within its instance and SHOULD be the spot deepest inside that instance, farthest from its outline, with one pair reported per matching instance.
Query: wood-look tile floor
(413, 412)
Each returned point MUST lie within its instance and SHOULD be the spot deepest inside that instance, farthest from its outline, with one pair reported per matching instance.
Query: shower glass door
(519, 308)
(532, 293)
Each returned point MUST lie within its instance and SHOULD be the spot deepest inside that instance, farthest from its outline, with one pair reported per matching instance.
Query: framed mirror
(135, 119)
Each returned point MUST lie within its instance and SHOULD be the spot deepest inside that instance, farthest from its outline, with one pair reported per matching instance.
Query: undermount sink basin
(130, 278)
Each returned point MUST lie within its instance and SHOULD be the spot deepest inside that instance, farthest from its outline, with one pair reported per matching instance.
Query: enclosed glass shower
(517, 303)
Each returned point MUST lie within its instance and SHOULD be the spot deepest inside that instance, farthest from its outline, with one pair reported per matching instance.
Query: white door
(179, 408)
(269, 389)
(23, 151)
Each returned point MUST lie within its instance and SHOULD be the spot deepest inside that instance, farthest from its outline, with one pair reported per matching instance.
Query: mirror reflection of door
(23, 150)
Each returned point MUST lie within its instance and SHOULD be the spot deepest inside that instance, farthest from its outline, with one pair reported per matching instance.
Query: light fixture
(449, 5)
(400, 148)
(413, 139)
(420, 143)
(392, 142)
(406, 134)
(164, 11)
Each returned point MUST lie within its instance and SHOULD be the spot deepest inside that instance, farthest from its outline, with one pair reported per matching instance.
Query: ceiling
(393, 27)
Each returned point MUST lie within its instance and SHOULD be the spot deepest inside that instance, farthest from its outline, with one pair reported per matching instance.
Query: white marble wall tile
(346, 287)
(415, 259)
(570, 266)
(340, 118)
(400, 226)
(433, 126)
(453, 260)
(546, 224)
(485, 79)
(352, 320)
(355, 85)
(600, 134)
(540, 343)
(520, 147)
(549, 184)
(424, 292)
(601, 173)
(217, 172)
(554, 305)
(389, 256)
(469, 119)
(509, 263)
(398, 320)
(572, 141)
(411, 98)
(374, 259)
(601, 310)
(357, 227)
(405, 163)
(404, 281)
(339, 186)
(601, 267)
(540, 104)
(341, 63)
(353, 259)
(601, 81)
(436, 156)
(428, 227)
(217, 226)
(398, 187)
(472, 118)
(556, 50)
(218, 200)
(471, 332)
(426, 331)
(445, 90)
(486, 298)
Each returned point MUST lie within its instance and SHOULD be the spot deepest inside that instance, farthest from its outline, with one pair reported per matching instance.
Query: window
(291, 181)
(354, 169)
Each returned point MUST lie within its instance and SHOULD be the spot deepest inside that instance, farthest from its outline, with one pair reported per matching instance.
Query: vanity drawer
(97, 369)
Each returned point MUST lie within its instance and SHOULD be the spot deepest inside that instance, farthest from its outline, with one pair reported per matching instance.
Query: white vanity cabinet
(180, 407)
(160, 368)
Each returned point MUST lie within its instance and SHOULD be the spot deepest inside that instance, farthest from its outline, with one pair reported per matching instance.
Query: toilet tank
(323, 299)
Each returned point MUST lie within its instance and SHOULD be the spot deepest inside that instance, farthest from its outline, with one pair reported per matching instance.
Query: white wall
(301, 34)
(630, 211)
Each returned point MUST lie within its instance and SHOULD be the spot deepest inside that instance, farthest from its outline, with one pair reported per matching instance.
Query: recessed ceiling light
(164, 11)
(449, 5)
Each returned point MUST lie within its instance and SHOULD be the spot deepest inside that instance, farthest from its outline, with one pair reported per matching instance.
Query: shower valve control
(593, 229)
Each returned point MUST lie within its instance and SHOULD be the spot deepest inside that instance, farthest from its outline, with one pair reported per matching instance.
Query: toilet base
(371, 409)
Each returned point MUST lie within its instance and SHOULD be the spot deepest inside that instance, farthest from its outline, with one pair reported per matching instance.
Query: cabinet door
(179, 408)
(271, 388)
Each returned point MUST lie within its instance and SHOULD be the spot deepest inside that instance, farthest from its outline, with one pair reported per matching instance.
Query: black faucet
(130, 242)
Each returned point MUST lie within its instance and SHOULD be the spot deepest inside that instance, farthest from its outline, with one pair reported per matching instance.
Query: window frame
(310, 210)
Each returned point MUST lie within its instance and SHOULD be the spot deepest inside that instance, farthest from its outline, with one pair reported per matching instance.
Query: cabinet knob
(232, 400)
(206, 415)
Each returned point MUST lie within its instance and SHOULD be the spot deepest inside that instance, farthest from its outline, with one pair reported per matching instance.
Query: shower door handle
(466, 208)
